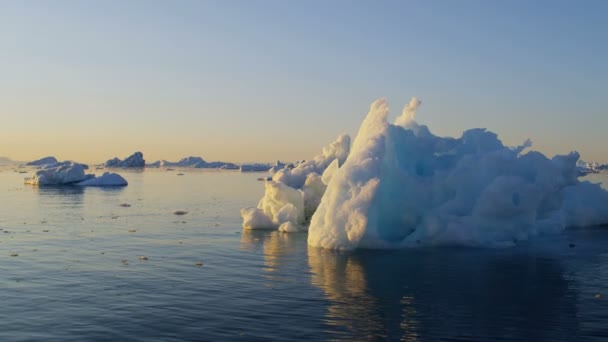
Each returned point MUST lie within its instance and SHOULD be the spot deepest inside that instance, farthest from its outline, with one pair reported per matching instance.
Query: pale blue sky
(264, 80)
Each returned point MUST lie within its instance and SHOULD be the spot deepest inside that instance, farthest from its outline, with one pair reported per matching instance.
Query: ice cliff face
(133, 161)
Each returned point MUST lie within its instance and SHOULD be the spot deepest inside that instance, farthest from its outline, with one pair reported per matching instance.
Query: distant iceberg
(401, 186)
(136, 160)
(71, 173)
(43, 161)
(255, 167)
(194, 162)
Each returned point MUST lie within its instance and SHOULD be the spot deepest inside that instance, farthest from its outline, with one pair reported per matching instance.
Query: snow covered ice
(401, 186)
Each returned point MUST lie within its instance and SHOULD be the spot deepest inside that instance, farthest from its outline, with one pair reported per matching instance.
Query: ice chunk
(254, 218)
(135, 160)
(107, 179)
(59, 173)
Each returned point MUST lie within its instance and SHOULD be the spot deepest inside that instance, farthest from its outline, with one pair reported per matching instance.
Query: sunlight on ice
(401, 186)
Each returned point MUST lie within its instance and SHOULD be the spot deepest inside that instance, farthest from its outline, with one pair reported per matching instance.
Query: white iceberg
(402, 186)
(70, 173)
(43, 161)
(107, 179)
(59, 174)
(294, 192)
(136, 160)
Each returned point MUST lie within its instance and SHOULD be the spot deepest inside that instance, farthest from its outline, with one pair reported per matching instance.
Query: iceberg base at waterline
(401, 186)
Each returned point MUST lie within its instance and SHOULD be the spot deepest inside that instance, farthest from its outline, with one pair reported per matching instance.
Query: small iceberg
(71, 173)
(136, 160)
(107, 179)
(59, 173)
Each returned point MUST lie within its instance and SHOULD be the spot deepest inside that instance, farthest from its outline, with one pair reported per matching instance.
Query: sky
(245, 81)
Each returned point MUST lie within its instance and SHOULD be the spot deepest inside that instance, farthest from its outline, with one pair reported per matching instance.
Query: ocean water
(75, 265)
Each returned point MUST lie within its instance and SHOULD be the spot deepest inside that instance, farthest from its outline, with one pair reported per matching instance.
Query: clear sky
(265, 80)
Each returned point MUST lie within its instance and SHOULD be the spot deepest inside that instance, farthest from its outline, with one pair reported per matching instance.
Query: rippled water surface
(73, 267)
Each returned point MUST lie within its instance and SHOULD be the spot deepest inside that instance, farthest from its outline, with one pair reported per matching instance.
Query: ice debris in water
(401, 186)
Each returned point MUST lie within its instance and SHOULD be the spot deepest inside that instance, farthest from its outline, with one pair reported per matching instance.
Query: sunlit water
(70, 269)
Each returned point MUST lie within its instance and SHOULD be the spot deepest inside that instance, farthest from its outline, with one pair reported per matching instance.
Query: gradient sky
(265, 80)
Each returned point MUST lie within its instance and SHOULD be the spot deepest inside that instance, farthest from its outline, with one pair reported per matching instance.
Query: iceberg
(107, 179)
(43, 161)
(136, 160)
(59, 173)
(294, 192)
(401, 186)
(195, 162)
(71, 173)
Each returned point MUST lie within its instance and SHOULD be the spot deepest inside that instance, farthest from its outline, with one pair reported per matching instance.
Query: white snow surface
(402, 186)
(294, 193)
(107, 179)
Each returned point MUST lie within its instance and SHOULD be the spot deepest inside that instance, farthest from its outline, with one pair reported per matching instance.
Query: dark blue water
(77, 274)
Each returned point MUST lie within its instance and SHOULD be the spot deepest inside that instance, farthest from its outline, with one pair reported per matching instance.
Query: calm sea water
(71, 268)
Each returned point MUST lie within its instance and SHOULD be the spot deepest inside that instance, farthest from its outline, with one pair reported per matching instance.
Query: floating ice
(133, 161)
(107, 179)
(295, 191)
(59, 173)
(70, 173)
(402, 186)
(43, 161)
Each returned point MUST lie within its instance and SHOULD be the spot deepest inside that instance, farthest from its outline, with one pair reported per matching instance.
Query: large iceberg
(136, 160)
(401, 186)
